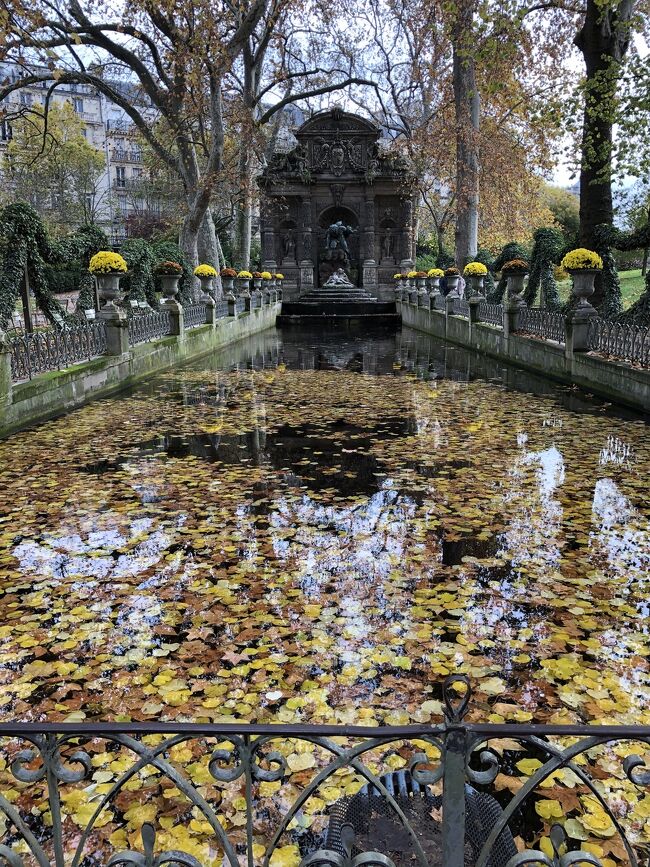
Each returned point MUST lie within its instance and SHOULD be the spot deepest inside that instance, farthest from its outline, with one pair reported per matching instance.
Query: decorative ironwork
(42, 351)
(240, 306)
(221, 309)
(440, 302)
(149, 326)
(252, 788)
(490, 313)
(460, 307)
(194, 315)
(620, 341)
(542, 323)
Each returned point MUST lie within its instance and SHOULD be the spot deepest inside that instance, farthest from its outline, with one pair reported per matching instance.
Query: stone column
(474, 304)
(369, 266)
(268, 238)
(210, 311)
(406, 262)
(576, 328)
(306, 280)
(176, 316)
(5, 371)
(117, 329)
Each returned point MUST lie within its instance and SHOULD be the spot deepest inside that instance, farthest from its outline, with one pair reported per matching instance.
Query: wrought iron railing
(149, 326)
(542, 323)
(43, 351)
(240, 305)
(194, 315)
(620, 340)
(234, 794)
(490, 313)
(460, 307)
(221, 309)
(440, 302)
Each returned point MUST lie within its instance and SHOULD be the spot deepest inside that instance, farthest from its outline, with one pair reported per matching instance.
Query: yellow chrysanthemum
(205, 271)
(475, 269)
(582, 259)
(246, 275)
(435, 272)
(107, 262)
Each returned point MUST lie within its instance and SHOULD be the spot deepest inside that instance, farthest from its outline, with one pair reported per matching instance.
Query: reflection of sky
(622, 535)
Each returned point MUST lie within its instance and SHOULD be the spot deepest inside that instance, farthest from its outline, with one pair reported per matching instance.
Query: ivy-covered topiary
(25, 244)
(547, 249)
(512, 250)
(141, 259)
(605, 237)
(639, 312)
(78, 249)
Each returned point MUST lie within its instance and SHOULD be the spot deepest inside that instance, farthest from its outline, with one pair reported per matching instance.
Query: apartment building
(119, 192)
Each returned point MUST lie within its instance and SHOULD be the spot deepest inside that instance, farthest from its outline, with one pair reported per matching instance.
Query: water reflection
(337, 517)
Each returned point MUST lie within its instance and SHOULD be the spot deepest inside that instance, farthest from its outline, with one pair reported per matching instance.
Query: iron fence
(326, 795)
(619, 340)
(221, 308)
(194, 315)
(149, 326)
(240, 306)
(542, 323)
(43, 351)
(461, 307)
(440, 302)
(490, 313)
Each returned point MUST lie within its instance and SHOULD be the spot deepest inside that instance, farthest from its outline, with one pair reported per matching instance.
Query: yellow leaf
(286, 856)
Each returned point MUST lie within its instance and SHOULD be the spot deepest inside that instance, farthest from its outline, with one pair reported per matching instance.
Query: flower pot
(108, 287)
(515, 288)
(206, 286)
(452, 285)
(169, 285)
(434, 285)
(421, 282)
(475, 284)
(583, 284)
(242, 285)
(257, 282)
(228, 284)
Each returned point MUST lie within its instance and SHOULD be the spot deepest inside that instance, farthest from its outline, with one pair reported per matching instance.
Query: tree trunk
(644, 265)
(245, 216)
(603, 41)
(209, 248)
(467, 104)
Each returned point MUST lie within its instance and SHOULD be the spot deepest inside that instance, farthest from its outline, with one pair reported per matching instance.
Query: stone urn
(452, 285)
(434, 285)
(243, 284)
(515, 289)
(228, 284)
(108, 288)
(257, 283)
(421, 283)
(583, 284)
(169, 284)
(476, 283)
(206, 286)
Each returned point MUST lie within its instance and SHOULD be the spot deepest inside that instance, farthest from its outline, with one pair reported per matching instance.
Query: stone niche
(337, 171)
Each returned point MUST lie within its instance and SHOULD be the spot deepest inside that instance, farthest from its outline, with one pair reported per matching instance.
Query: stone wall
(60, 390)
(614, 380)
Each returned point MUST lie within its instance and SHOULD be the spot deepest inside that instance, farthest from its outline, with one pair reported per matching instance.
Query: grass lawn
(632, 285)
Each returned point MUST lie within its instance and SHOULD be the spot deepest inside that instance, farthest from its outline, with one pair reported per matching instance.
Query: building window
(25, 98)
(122, 205)
(78, 105)
(120, 176)
(5, 131)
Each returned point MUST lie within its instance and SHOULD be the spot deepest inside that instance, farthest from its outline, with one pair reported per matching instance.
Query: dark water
(320, 527)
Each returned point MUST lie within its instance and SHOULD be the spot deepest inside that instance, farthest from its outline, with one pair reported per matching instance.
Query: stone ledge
(613, 380)
(58, 391)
